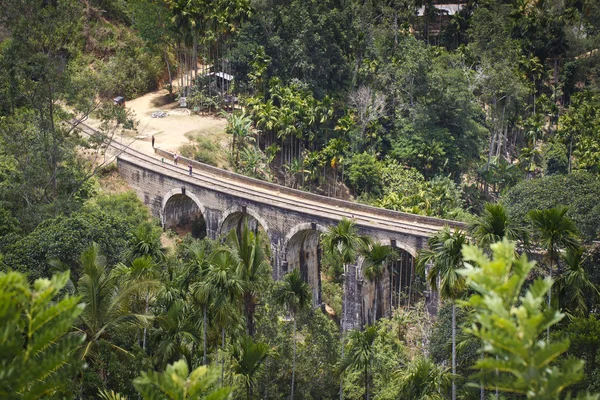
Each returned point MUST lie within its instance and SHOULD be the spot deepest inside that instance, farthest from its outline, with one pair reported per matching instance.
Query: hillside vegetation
(487, 115)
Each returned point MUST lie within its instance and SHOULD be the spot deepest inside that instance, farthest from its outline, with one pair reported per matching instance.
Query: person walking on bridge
(190, 168)
(175, 158)
(152, 141)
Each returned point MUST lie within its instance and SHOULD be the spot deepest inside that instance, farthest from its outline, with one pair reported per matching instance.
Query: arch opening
(303, 251)
(183, 215)
(235, 220)
(399, 287)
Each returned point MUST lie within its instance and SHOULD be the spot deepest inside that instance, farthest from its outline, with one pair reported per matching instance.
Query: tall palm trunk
(550, 293)
(204, 335)
(223, 356)
(294, 359)
(367, 382)
(453, 349)
(145, 328)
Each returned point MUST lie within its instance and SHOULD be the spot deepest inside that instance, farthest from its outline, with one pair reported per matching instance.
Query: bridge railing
(382, 212)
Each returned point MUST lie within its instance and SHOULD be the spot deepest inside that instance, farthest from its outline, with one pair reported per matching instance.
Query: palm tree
(554, 231)
(248, 358)
(361, 352)
(221, 288)
(493, 225)
(175, 334)
(240, 127)
(422, 379)
(445, 256)
(574, 286)
(343, 242)
(142, 269)
(374, 268)
(105, 300)
(198, 261)
(253, 268)
(146, 242)
(294, 294)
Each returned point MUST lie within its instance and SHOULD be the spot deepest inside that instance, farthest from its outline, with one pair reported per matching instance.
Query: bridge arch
(303, 251)
(234, 216)
(182, 210)
(399, 285)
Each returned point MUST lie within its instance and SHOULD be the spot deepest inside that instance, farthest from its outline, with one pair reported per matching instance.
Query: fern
(36, 348)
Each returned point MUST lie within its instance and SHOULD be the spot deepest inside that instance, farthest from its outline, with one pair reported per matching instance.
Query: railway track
(241, 186)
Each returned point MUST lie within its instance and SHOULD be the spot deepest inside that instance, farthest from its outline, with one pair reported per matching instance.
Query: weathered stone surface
(291, 219)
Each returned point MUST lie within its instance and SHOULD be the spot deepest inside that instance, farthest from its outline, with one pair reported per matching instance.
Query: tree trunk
(249, 308)
(294, 359)
(170, 76)
(376, 299)
(367, 382)
(145, 329)
(549, 296)
(222, 358)
(453, 349)
(204, 335)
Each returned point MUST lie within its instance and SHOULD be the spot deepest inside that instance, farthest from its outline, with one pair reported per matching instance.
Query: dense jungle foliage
(487, 116)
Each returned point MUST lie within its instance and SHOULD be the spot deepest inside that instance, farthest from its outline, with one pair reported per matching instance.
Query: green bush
(557, 162)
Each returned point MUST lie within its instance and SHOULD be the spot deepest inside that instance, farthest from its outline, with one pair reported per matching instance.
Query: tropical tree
(360, 353)
(510, 320)
(174, 335)
(37, 353)
(445, 256)
(239, 126)
(178, 383)
(375, 258)
(250, 252)
(221, 288)
(248, 358)
(141, 269)
(145, 241)
(343, 242)
(573, 286)
(422, 379)
(554, 231)
(294, 294)
(493, 225)
(106, 301)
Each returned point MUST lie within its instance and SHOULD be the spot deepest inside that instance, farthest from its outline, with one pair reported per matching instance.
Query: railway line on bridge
(253, 189)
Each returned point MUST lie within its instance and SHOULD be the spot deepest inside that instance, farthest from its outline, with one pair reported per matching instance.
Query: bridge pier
(291, 219)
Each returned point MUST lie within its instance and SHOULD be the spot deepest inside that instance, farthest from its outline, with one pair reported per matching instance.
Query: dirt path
(176, 128)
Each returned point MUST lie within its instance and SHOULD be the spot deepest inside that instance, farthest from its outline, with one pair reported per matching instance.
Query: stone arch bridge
(214, 201)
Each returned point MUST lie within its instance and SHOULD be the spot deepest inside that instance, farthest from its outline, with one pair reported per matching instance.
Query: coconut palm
(376, 257)
(360, 353)
(445, 256)
(554, 231)
(294, 294)
(493, 225)
(422, 379)
(574, 287)
(250, 252)
(248, 357)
